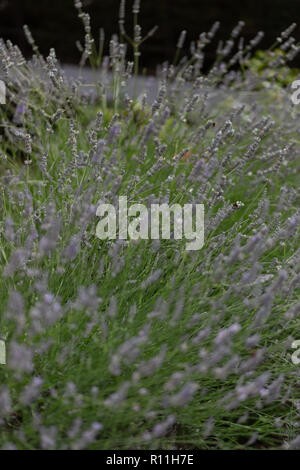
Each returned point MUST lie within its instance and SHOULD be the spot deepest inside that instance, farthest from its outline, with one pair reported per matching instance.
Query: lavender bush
(143, 345)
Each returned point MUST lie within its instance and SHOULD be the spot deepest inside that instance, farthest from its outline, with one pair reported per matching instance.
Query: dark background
(54, 23)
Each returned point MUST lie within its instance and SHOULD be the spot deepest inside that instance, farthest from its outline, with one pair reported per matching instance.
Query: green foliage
(260, 64)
